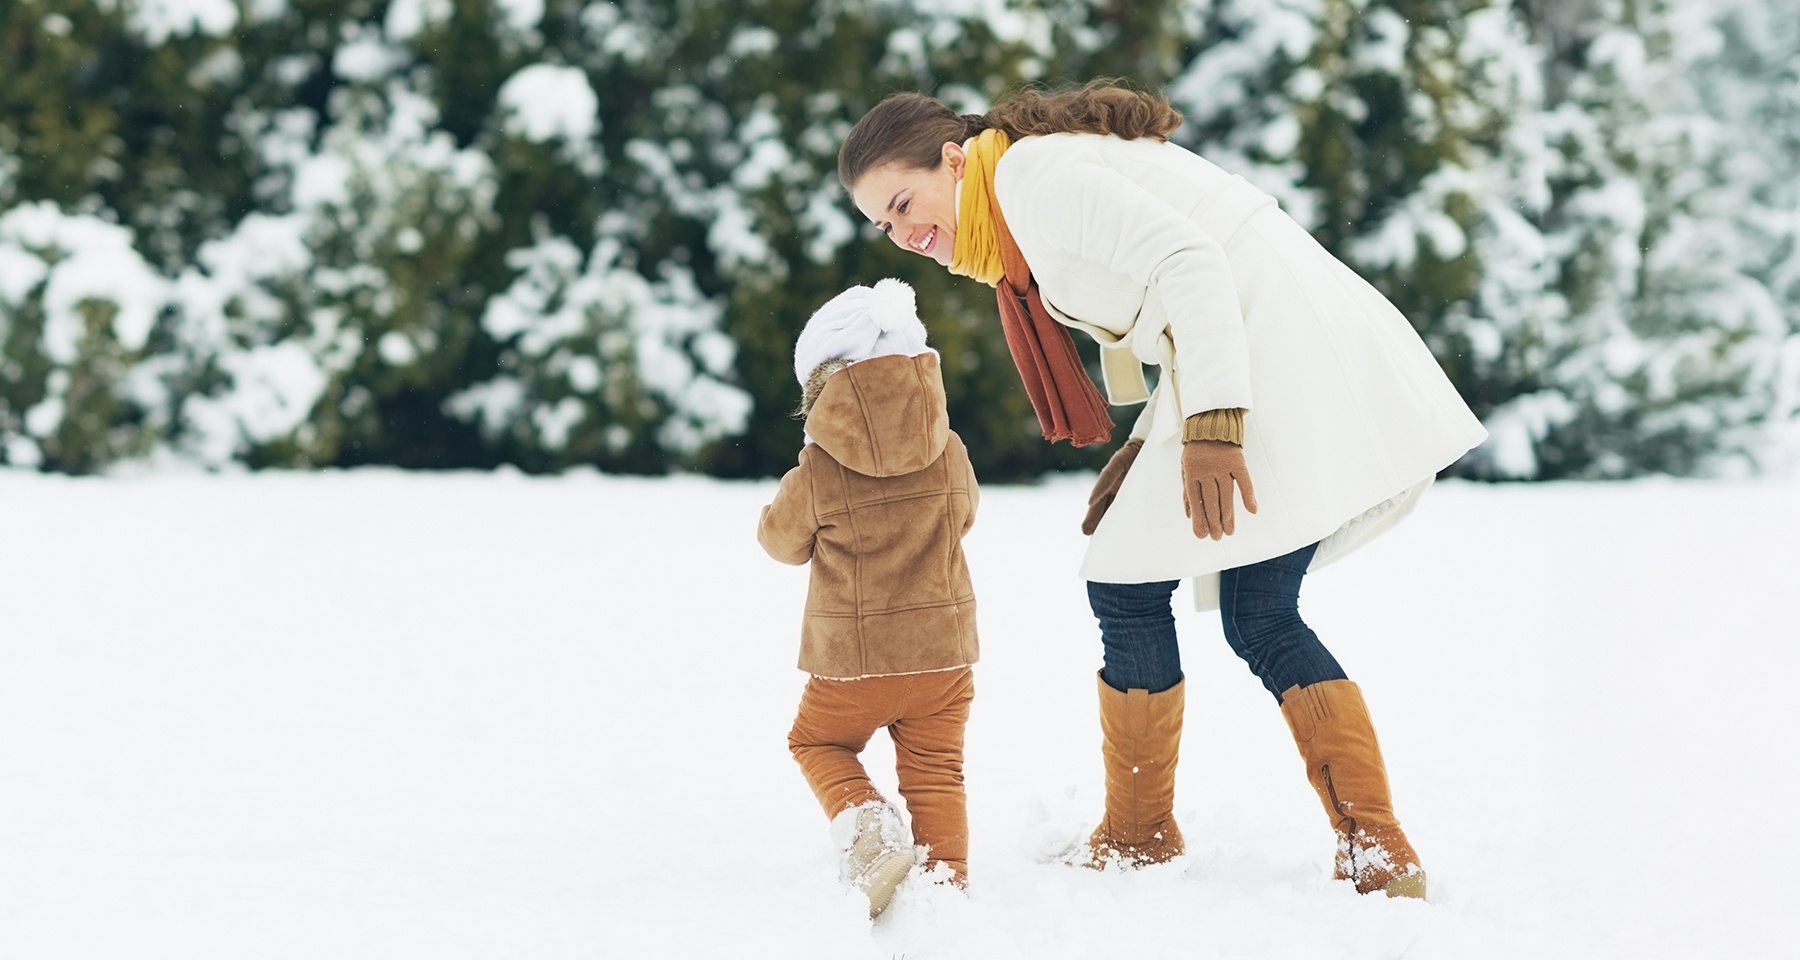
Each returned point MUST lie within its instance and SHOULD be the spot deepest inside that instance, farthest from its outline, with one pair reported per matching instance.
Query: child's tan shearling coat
(879, 505)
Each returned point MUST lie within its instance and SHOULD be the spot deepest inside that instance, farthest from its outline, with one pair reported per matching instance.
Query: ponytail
(1105, 106)
(911, 128)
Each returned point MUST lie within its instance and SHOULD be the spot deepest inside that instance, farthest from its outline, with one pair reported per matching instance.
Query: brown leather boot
(1142, 732)
(1331, 727)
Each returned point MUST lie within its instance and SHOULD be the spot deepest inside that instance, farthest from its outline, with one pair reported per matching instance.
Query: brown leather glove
(1107, 486)
(1208, 470)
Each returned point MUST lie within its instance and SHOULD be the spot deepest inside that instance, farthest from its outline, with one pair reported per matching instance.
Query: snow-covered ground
(373, 715)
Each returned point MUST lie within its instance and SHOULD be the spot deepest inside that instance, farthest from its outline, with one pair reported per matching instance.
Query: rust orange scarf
(1068, 405)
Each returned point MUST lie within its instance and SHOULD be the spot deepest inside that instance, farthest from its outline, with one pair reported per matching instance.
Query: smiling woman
(1276, 361)
(915, 208)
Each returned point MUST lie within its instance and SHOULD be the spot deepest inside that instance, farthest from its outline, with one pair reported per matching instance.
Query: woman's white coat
(1169, 261)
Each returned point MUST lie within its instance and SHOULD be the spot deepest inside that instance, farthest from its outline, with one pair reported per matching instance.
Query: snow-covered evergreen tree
(1752, 83)
(77, 308)
(1542, 191)
(1664, 356)
(557, 232)
(300, 333)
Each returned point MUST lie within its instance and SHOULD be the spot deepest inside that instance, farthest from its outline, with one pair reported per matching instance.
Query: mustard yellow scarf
(978, 213)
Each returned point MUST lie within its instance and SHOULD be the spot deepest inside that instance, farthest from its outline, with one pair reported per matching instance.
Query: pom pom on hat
(861, 323)
(894, 308)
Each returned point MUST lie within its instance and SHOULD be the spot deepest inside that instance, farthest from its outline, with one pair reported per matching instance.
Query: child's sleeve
(789, 525)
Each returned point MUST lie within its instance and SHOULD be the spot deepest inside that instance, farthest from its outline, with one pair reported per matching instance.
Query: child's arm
(789, 525)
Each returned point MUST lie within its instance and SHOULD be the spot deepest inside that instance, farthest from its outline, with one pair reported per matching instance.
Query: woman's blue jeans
(1259, 607)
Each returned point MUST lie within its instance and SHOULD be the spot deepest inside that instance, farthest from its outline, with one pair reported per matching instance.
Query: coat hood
(884, 416)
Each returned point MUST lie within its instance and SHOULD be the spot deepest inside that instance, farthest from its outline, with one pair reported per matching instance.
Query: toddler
(879, 505)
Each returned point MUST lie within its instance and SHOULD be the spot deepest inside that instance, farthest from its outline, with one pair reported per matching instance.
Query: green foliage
(92, 419)
(351, 237)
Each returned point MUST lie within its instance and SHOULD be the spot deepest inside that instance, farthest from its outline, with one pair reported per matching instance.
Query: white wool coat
(1171, 262)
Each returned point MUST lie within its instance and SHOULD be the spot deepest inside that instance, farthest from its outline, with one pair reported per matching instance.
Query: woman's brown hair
(912, 128)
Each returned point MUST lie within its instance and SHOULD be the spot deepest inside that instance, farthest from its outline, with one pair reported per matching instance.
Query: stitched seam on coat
(924, 416)
(929, 605)
(945, 488)
(856, 574)
(884, 611)
(812, 500)
(900, 497)
(903, 673)
(862, 407)
(951, 538)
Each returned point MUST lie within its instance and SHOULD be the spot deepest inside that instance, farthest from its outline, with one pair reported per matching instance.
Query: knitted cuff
(1226, 424)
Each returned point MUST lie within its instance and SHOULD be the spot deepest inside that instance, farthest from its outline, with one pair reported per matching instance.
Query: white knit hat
(860, 323)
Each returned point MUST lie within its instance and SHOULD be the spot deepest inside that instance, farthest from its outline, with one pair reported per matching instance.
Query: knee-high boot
(1331, 727)
(1142, 736)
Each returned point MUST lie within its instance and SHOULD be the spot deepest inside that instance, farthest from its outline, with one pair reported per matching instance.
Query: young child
(879, 505)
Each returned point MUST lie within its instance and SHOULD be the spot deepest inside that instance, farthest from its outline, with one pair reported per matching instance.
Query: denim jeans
(1259, 607)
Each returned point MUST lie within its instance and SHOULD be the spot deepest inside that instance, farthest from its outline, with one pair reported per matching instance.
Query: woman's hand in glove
(1107, 486)
(1209, 470)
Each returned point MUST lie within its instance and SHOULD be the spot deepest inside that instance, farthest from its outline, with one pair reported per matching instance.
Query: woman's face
(916, 208)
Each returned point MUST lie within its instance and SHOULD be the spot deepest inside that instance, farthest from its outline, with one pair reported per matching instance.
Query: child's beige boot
(878, 853)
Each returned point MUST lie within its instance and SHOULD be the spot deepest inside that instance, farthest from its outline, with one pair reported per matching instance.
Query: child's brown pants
(925, 714)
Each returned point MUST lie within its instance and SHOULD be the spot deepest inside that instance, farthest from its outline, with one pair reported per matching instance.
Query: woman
(1275, 363)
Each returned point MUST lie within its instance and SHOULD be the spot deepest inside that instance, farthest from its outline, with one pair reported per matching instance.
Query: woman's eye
(904, 204)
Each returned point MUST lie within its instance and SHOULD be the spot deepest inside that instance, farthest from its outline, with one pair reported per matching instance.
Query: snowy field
(372, 715)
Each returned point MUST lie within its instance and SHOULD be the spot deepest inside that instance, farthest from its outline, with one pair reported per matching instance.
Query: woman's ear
(954, 157)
